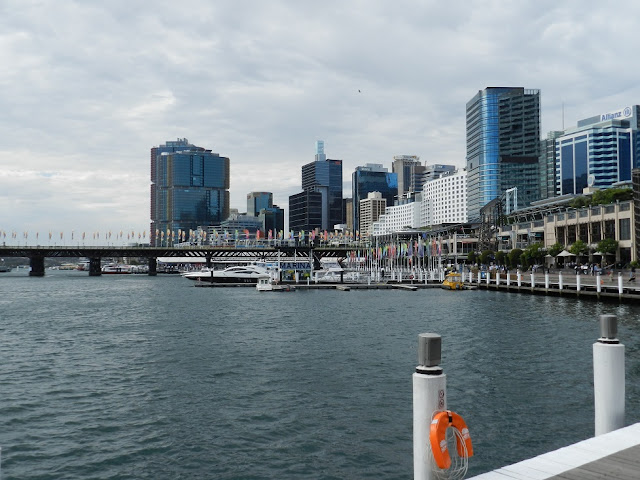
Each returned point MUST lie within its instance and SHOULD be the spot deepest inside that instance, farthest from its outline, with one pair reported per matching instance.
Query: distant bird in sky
(359, 91)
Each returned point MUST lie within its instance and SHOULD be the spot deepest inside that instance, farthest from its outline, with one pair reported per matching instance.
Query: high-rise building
(272, 219)
(370, 210)
(372, 177)
(305, 211)
(406, 167)
(256, 201)
(547, 165)
(598, 152)
(324, 177)
(444, 199)
(503, 146)
(348, 213)
(189, 188)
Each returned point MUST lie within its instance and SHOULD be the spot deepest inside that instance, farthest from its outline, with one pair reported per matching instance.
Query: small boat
(453, 281)
(264, 284)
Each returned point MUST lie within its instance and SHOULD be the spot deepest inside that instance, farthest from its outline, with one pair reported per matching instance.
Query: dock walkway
(609, 288)
(615, 455)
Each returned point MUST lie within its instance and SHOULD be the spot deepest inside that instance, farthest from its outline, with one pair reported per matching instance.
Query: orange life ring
(437, 436)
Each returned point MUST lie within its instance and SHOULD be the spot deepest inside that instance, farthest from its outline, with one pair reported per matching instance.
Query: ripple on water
(151, 378)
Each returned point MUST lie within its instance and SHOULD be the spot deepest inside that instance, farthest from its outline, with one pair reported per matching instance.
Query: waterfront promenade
(616, 287)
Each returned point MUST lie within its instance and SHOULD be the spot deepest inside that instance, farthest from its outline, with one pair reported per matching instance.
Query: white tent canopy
(564, 253)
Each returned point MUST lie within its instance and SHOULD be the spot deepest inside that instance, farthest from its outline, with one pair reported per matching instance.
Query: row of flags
(402, 249)
(84, 235)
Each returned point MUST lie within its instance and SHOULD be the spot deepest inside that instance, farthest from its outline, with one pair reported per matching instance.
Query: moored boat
(237, 274)
(453, 281)
(264, 284)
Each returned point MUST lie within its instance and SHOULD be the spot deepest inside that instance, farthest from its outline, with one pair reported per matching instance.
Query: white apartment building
(398, 218)
(444, 199)
(370, 209)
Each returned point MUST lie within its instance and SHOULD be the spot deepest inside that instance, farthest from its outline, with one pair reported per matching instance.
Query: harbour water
(147, 377)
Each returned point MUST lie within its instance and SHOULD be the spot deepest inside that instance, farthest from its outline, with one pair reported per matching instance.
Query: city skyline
(82, 105)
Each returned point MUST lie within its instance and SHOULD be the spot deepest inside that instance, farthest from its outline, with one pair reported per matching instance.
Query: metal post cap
(608, 327)
(429, 349)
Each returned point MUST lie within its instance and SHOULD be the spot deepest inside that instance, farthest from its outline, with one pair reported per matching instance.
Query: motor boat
(237, 274)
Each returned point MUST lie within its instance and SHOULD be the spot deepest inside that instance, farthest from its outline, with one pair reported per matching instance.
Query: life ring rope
(438, 440)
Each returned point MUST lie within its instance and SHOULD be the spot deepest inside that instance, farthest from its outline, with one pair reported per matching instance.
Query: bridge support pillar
(153, 267)
(208, 261)
(37, 266)
(94, 267)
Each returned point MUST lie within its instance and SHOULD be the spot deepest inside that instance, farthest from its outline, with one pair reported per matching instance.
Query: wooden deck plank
(615, 455)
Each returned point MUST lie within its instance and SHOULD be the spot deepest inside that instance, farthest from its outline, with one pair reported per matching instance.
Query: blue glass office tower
(599, 152)
(189, 188)
(372, 178)
(503, 146)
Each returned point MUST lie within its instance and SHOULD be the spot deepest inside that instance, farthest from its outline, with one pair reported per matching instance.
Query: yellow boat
(453, 281)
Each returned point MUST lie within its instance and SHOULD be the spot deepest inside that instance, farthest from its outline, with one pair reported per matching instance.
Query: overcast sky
(88, 87)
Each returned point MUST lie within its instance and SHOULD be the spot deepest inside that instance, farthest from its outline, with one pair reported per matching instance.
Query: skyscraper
(322, 176)
(503, 146)
(599, 152)
(189, 188)
(256, 201)
(372, 177)
(548, 165)
(406, 167)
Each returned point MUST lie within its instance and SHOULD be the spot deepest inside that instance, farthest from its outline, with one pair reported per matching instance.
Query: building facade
(407, 168)
(272, 219)
(324, 177)
(189, 188)
(444, 199)
(305, 211)
(547, 165)
(371, 178)
(599, 152)
(370, 210)
(256, 201)
(503, 146)
(399, 218)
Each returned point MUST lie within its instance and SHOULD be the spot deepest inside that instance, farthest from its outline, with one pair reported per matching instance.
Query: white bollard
(546, 281)
(533, 280)
(487, 277)
(497, 277)
(508, 279)
(598, 283)
(470, 277)
(560, 281)
(608, 377)
(429, 396)
(578, 282)
(519, 279)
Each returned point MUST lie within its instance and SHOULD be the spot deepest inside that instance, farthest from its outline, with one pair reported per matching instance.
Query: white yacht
(239, 274)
